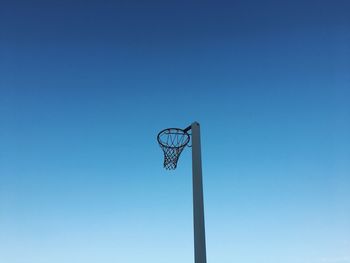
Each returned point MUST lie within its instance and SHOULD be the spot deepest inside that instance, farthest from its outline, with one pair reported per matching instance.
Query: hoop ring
(170, 131)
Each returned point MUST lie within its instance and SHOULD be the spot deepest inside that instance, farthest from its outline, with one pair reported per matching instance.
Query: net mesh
(172, 141)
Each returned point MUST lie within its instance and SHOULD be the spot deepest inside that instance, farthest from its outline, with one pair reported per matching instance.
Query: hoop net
(172, 141)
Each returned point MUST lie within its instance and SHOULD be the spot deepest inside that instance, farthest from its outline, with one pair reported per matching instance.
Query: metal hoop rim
(174, 147)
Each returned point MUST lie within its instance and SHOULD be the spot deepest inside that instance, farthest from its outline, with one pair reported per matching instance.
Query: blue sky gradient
(85, 86)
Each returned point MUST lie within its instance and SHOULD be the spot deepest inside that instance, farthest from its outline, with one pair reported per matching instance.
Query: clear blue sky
(85, 86)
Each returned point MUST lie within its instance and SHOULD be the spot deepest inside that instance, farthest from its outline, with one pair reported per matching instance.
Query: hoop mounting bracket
(188, 128)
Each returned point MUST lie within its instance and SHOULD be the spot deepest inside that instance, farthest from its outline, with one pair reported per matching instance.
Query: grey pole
(198, 206)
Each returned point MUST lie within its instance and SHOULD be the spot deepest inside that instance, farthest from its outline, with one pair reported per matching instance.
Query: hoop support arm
(188, 128)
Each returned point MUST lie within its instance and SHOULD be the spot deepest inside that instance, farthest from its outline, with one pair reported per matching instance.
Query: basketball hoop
(172, 141)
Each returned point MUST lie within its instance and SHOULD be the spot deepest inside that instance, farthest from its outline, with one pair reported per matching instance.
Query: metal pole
(198, 206)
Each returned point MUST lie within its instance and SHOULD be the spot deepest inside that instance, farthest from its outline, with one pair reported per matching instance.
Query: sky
(85, 86)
